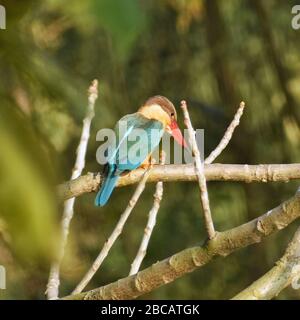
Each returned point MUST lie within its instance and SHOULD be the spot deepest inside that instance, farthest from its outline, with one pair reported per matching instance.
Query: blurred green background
(211, 53)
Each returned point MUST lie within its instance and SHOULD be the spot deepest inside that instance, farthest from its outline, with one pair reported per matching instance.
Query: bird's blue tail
(106, 189)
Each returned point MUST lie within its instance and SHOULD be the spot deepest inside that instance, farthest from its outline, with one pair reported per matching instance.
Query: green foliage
(26, 201)
(123, 20)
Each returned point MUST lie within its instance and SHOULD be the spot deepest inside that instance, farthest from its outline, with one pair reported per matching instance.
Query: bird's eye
(172, 115)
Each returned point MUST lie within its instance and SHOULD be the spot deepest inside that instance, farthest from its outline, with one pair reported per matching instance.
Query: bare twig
(135, 266)
(114, 236)
(227, 136)
(186, 172)
(200, 173)
(223, 244)
(285, 272)
(53, 282)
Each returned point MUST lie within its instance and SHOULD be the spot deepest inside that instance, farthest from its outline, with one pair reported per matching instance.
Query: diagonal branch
(285, 272)
(190, 259)
(136, 264)
(53, 282)
(114, 236)
(227, 136)
(199, 167)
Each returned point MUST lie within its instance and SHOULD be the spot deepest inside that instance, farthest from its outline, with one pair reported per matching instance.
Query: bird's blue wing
(136, 138)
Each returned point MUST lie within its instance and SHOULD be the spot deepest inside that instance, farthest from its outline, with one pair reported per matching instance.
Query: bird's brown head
(164, 103)
(162, 109)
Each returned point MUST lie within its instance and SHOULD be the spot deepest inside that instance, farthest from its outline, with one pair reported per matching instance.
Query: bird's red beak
(176, 133)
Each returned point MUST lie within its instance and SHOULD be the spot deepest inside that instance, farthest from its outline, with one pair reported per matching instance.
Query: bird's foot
(149, 164)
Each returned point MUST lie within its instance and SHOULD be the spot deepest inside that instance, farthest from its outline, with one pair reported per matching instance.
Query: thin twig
(53, 282)
(200, 173)
(136, 264)
(227, 136)
(114, 236)
(185, 261)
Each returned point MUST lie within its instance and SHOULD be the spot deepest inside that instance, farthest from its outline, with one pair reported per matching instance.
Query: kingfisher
(156, 116)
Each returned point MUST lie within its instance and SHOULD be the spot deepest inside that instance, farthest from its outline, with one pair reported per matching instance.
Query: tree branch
(135, 266)
(186, 172)
(199, 167)
(285, 272)
(115, 234)
(53, 282)
(189, 259)
(227, 136)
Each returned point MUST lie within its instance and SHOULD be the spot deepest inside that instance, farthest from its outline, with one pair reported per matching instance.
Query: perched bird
(156, 116)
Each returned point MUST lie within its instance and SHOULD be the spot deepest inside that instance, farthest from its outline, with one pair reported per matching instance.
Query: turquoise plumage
(119, 159)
